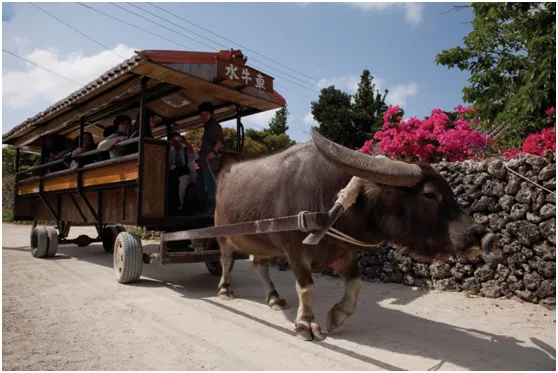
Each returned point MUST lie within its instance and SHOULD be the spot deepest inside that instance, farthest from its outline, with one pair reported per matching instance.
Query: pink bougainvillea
(538, 143)
(430, 140)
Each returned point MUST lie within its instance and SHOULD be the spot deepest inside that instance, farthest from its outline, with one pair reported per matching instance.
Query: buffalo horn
(380, 170)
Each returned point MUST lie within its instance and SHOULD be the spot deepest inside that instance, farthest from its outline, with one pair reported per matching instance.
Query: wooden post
(81, 129)
(16, 166)
(141, 142)
(238, 125)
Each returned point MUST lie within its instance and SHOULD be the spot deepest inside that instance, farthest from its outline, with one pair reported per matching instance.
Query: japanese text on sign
(244, 75)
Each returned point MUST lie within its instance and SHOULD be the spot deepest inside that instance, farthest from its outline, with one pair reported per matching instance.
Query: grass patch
(7, 215)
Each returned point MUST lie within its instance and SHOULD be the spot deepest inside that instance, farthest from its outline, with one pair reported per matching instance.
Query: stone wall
(523, 216)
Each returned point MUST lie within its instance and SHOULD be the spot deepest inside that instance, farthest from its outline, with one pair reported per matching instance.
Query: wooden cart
(132, 189)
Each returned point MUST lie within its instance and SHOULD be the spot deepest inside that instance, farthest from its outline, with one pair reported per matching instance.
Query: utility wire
(230, 41)
(76, 30)
(247, 121)
(202, 43)
(222, 45)
(164, 38)
(129, 24)
(44, 68)
(163, 26)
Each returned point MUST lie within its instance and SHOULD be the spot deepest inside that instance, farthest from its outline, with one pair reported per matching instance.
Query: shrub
(538, 143)
(431, 140)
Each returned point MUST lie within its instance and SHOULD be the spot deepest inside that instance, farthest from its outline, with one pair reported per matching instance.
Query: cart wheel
(39, 242)
(52, 241)
(127, 257)
(214, 267)
(108, 236)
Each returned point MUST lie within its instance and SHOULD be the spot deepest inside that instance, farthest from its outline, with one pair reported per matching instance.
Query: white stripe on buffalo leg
(345, 308)
(272, 296)
(305, 325)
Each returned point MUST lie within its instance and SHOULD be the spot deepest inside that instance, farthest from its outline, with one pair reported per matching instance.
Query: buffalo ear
(378, 169)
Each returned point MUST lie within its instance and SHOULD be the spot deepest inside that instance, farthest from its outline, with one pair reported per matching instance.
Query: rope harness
(346, 197)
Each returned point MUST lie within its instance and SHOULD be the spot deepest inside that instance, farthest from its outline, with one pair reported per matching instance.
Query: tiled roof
(104, 79)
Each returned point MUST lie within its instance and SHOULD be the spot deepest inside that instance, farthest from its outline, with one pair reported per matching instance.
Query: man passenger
(182, 169)
(209, 155)
(122, 124)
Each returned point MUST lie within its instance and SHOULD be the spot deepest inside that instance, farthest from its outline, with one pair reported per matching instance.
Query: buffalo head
(407, 204)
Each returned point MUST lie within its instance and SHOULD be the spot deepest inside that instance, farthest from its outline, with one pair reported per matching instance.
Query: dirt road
(69, 313)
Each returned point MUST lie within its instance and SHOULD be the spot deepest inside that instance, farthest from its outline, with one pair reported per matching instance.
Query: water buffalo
(402, 203)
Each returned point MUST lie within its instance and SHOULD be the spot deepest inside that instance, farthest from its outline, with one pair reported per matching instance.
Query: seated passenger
(182, 169)
(109, 131)
(88, 145)
(135, 128)
(53, 154)
(122, 123)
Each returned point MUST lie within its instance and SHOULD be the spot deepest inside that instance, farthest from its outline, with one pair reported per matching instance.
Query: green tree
(278, 125)
(368, 109)
(334, 113)
(26, 161)
(273, 142)
(511, 56)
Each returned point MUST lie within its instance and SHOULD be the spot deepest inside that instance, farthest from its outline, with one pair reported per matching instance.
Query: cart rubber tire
(38, 242)
(127, 258)
(108, 237)
(52, 241)
(214, 267)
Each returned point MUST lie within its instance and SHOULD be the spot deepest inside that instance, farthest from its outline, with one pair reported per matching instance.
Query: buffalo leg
(272, 296)
(225, 291)
(305, 324)
(347, 268)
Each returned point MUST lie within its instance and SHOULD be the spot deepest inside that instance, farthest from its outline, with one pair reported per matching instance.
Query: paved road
(69, 313)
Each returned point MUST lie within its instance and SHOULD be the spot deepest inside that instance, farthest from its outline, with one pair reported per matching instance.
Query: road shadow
(371, 325)
(21, 248)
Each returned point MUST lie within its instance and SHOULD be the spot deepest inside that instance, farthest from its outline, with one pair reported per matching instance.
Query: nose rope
(531, 181)
(332, 232)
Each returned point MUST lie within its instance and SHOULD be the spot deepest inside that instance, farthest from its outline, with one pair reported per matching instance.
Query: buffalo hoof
(335, 317)
(225, 293)
(309, 331)
(277, 304)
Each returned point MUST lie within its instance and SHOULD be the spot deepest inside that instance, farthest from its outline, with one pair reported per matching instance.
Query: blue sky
(330, 42)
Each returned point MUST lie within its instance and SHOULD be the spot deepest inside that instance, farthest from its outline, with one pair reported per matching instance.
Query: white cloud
(20, 87)
(348, 83)
(398, 94)
(260, 121)
(309, 119)
(413, 11)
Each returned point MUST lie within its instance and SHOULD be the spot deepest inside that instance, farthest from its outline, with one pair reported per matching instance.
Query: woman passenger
(149, 130)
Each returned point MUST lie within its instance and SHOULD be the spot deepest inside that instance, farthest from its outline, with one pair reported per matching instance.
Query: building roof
(211, 76)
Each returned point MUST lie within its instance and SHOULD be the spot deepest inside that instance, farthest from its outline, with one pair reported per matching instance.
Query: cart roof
(179, 82)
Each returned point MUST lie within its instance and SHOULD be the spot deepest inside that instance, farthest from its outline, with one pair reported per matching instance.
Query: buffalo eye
(430, 195)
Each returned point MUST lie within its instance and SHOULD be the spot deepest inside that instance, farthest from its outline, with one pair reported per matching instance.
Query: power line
(218, 43)
(197, 41)
(129, 24)
(158, 24)
(76, 30)
(44, 68)
(247, 121)
(162, 37)
(230, 41)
